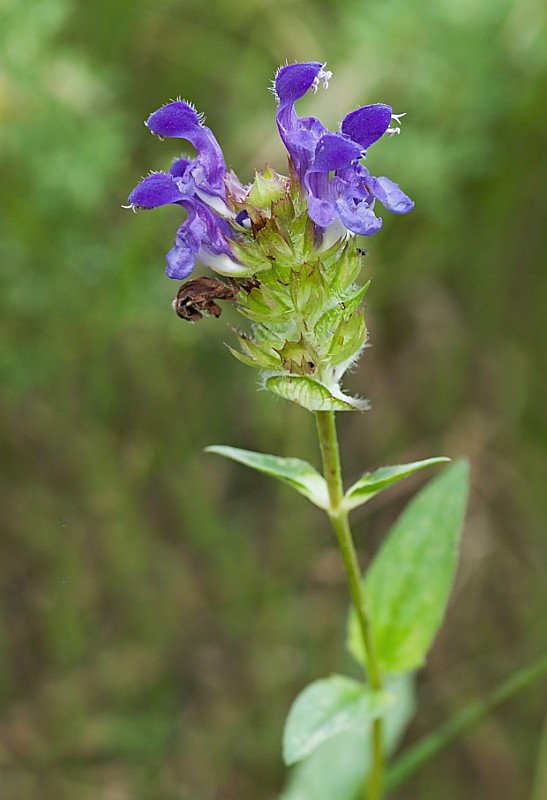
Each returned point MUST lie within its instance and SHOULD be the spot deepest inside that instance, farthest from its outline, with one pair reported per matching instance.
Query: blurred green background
(160, 608)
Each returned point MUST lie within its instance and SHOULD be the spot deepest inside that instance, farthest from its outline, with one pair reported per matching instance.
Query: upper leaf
(297, 473)
(324, 709)
(371, 483)
(409, 581)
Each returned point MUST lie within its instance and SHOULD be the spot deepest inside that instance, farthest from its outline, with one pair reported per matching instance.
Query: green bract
(305, 309)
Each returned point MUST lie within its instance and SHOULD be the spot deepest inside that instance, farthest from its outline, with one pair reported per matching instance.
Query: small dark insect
(197, 297)
(361, 251)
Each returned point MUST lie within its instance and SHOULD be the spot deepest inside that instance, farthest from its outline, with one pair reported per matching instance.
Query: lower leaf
(408, 583)
(338, 769)
(326, 708)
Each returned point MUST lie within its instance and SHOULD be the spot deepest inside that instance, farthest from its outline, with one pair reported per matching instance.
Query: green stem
(330, 454)
(466, 719)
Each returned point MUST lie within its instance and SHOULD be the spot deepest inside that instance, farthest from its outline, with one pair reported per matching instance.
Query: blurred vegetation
(160, 608)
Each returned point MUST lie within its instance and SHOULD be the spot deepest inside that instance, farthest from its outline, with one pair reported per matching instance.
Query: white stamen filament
(323, 76)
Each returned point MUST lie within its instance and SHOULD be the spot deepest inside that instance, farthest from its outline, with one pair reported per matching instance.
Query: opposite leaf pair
(407, 588)
(305, 479)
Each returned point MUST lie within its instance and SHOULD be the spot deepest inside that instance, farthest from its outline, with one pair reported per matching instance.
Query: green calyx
(305, 309)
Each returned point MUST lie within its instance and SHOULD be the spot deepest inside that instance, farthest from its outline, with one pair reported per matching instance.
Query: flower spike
(286, 244)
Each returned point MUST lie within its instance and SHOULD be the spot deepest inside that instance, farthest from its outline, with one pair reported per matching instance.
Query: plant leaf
(324, 709)
(338, 768)
(293, 471)
(409, 581)
(371, 483)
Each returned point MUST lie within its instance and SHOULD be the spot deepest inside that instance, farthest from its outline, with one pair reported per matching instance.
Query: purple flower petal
(299, 134)
(182, 257)
(293, 81)
(174, 120)
(179, 167)
(367, 124)
(300, 140)
(215, 230)
(157, 189)
(357, 217)
(181, 121)
(333, 152)
(322, 212)
(202, 236)
(390, 195)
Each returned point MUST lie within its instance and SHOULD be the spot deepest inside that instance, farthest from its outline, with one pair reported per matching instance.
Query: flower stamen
(323, 76)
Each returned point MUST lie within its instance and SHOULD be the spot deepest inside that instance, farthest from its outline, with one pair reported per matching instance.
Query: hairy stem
(330, 453)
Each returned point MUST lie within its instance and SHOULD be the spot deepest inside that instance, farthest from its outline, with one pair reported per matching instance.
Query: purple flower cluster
(340, 191)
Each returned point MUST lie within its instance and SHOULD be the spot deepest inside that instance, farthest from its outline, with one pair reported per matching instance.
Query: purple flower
(338, 186)
(198, 186)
